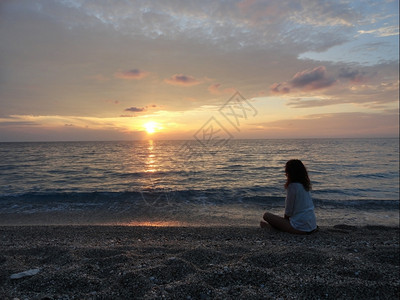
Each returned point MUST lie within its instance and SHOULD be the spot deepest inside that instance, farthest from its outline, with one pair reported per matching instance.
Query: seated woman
(299, 215)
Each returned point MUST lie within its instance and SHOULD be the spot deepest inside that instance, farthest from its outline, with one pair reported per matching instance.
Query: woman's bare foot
(263, 224)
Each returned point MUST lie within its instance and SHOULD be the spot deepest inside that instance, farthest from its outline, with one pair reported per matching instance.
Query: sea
(190, 183)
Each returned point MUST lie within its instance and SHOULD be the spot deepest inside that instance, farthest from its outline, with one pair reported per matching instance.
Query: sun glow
(151, 127)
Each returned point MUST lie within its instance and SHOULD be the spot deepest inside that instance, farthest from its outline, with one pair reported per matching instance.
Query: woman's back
(300, 207)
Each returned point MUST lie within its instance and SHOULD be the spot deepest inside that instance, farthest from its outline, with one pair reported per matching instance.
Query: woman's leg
(280, 223)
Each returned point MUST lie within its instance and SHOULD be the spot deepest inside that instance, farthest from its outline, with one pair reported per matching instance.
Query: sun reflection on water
(150, 163)
(156, 223)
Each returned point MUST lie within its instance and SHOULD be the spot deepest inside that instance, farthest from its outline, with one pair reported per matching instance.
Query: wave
(166, 199)
(376, 175)
(363, 204)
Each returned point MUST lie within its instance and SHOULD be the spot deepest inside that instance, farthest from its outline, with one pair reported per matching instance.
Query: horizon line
(238, 139)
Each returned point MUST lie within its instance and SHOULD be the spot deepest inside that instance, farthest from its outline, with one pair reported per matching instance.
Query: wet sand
(137, 262)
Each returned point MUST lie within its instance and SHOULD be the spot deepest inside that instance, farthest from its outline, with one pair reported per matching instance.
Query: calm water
(138, 180)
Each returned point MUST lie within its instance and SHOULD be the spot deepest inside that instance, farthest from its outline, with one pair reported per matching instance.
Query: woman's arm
(290, 199)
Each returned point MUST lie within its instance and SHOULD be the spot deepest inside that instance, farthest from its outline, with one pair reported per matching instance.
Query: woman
(299, 215)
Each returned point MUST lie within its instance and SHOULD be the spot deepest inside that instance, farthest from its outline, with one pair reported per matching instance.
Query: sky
(75, 70)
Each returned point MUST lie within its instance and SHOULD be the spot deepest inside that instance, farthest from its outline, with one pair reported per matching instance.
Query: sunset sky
(126, 70)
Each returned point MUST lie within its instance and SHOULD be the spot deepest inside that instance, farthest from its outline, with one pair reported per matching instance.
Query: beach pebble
(27, 273)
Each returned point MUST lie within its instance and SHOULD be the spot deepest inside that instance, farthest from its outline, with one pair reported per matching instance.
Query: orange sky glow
(73, 70)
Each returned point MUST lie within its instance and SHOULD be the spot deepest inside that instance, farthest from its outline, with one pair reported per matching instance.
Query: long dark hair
(297, 172)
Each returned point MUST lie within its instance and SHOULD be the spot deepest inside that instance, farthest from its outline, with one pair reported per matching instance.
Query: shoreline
(214, 262)
(185, 214)
(226, 215)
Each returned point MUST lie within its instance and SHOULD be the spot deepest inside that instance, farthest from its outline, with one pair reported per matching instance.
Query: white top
(299, 208)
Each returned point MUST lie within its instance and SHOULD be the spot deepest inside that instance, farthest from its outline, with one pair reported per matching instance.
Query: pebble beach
(148, 262)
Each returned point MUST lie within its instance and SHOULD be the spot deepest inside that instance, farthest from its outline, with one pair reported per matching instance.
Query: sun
(150, 127)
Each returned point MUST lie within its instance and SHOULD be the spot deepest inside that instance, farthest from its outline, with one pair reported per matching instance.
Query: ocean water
(355, 181)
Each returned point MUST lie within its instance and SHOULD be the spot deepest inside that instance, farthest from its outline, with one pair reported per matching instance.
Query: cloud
(207, 19)
(4, 123)
(280, 88)
(327, 13)
(182, 80)
(131, 74)
(307, 80)
(135, 109)
(312, 79)
(382, 32)
(317, 12)
(354, 76)
(377, 96)
(308, 103)
(260, 11)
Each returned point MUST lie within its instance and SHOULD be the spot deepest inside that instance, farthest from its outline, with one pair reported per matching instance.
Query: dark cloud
(131, 74)
(182, 80)
(313, 79)
(138, 109)
(135, 109)
(352, 75)
(348, 73)
(307, 80)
